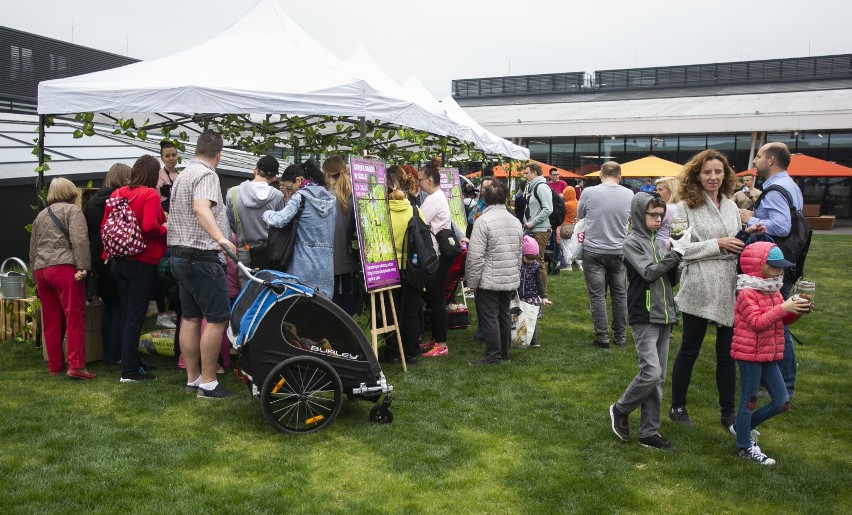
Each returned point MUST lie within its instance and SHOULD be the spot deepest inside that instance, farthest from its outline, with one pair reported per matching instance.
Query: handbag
(282, 241)
(566, 231)
(448, 244)
(574, 251)
(524, 317)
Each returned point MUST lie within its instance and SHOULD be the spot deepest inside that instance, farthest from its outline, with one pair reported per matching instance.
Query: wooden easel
(375, 331)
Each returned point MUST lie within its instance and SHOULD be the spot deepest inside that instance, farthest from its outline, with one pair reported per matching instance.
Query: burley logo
(345, 355)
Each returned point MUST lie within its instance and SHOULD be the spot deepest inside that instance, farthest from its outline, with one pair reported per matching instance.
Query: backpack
(120, 232)
(795, 245)
(557, 215)
(420, 263)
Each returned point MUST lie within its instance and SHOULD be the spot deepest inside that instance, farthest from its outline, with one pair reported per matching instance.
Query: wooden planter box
(94, 342)
(16, 323)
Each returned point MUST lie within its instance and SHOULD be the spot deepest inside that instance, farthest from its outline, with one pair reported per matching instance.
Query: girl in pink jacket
(760, 314)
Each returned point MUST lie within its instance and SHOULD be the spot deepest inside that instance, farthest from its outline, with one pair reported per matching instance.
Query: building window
(59, 66)
(22, 63)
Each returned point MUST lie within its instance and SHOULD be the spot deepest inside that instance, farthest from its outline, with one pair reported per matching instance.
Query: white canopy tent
(485, 138)
(231, 74)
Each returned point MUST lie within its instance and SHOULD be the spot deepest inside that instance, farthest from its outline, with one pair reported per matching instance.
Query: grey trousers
(603, 271)
(646, 389)
(492, 311)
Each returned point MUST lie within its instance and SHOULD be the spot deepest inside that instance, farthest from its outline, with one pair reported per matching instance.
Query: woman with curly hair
(709, 277)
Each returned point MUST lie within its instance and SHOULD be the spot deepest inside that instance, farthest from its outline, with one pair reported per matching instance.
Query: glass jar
(679, 225)
(804, 290)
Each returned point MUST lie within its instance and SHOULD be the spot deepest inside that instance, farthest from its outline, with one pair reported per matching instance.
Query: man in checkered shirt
(198, 228)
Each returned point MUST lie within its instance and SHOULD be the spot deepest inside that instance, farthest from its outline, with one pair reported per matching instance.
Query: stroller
(301, 354)
(458, 316)
(552, 255)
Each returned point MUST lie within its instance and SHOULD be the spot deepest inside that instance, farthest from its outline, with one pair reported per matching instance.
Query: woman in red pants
(60, 256)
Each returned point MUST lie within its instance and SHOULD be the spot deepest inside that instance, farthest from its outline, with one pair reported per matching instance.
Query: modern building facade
(578, 120)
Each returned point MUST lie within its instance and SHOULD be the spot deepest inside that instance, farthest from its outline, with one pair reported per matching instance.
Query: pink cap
(530, 247)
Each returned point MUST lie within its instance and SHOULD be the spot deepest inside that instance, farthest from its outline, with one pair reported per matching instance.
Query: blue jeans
(788, 364)
(135, 283)
(749, 415)
(603, 271)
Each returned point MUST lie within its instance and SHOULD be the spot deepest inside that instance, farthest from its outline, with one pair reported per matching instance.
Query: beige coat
(709, 278)
(494, 251)
(49, 246)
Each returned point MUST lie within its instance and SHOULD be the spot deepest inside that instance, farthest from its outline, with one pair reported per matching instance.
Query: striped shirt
(197, 182)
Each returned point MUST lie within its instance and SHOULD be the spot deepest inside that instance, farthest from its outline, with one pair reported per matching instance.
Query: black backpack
(420, 262)
(795, 245)
(557, 216)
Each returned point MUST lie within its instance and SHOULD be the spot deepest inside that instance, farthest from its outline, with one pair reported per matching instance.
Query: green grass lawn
(530, 436)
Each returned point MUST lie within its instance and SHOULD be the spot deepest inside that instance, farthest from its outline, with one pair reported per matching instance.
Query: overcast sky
(441, 40)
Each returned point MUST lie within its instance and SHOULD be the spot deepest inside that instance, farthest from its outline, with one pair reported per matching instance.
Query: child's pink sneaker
(437, 352)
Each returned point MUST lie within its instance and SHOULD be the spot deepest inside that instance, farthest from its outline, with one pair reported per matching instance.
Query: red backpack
(120, 232)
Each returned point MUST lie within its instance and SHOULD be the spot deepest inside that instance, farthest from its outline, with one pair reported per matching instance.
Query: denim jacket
(313, 261)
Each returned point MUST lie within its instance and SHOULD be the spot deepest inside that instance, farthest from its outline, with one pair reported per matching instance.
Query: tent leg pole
(362, 121)
(40, 180)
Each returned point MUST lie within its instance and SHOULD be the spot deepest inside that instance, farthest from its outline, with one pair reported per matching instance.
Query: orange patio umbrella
(807, 166)
(650, 166)
(502, 171)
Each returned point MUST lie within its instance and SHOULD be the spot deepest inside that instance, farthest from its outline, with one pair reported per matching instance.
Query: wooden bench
(821, 223)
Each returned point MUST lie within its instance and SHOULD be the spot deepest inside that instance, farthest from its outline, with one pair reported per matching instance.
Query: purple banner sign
(372, 219)
(451, 186)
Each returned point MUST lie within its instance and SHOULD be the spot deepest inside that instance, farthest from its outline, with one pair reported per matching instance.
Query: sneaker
(427, 345)
(165, 321)
(600, 345)
(620, 424)
(754, 455)
(220, 392)
(191, 389)
(139, 375)
(754, 434)
(680, 416)
(656, 441)
(535, 345)
(436, 352)
(728, 420)
(580, 265)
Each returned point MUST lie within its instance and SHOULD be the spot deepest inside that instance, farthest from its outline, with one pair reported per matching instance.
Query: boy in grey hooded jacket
(651, 272)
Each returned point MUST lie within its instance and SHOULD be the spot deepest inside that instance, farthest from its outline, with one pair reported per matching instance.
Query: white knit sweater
(709, 278)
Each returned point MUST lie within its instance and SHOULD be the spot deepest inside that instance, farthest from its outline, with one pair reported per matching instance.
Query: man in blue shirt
(773, 212)
(648, 187)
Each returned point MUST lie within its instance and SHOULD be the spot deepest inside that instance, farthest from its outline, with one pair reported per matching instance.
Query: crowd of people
(628, 250)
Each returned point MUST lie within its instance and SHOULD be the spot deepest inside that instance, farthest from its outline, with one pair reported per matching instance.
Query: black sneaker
(535, 345)
(600, 345)
(680, 416)
(220, 392)
(657, 442)
(754, 434)
(728, 420)
(132, 377)
(754, 455)
(620, 424)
